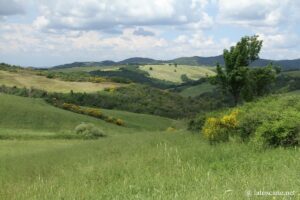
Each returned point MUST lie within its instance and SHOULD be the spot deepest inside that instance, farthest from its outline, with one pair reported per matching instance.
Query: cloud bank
(42, 32)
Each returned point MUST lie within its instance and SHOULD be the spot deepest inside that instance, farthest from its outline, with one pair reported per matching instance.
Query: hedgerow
(93, 112)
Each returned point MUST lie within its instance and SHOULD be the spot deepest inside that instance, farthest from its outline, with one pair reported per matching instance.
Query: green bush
(88, 131)
(283, 132)
(197, 123)
(272, 121)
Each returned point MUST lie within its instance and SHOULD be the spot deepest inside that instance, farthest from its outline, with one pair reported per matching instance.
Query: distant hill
(139, 60)
(195, 60)
(212, 61)
(85, 64)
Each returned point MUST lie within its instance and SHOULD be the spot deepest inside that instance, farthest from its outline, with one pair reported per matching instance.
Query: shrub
(171, 129)
(109, 119)
(283, 132)
(197, 123)
(218, 129)
(88, 131)
(93, 112)
(120, 122)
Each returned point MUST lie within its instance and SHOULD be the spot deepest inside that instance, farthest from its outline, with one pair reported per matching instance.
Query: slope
(20, 115)
(29, 80)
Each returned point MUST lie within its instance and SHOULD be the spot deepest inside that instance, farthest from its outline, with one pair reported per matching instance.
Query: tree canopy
(236, 77)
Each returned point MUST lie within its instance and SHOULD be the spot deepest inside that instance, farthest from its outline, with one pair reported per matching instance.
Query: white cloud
(107, 14)
(198, 44)
(280, 45)
(69, 30)
(254, 12)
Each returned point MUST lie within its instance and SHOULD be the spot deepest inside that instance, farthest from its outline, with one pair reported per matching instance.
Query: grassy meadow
(156, 165)
(173, 74)
(52, 85)
(294, 74)
(197, 90)
(37, 119)
(143, 160)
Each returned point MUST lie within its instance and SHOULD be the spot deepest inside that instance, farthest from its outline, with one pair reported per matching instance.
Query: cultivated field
(52, 85)
(173, 74)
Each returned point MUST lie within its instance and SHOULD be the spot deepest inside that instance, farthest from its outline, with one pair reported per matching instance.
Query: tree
(233, 77)
(259, 81)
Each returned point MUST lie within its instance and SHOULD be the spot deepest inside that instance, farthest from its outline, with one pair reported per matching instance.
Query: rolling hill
(37, 118)
(135, 164)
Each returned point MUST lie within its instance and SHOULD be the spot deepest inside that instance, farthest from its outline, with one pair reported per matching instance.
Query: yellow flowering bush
(230, 121)
(119, 122)
(217, 129)
(171, 129)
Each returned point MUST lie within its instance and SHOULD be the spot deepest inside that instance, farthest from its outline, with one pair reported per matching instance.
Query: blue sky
(47, 33)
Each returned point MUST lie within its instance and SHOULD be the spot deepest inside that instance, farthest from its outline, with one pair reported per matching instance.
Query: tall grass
(143, 166)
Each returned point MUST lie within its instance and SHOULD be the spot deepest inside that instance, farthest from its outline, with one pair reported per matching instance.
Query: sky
(42, 33)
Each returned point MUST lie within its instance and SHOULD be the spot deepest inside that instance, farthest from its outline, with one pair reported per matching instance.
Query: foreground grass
(29, 80)
(157, 165)
(173, 74)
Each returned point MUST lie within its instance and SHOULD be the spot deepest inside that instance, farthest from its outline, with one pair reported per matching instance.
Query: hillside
(35, 117)
(133, 165)
(197, 90)
(29, 80)
(174, 73)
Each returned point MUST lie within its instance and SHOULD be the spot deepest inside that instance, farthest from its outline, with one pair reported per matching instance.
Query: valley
(145, 129)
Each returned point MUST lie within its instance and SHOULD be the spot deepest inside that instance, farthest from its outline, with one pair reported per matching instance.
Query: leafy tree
(259, 82)
(233, 78)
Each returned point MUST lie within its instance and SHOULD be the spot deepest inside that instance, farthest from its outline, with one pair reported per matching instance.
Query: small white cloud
(40, 22)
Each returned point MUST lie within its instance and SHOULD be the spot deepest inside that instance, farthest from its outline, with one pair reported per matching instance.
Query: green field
(294, 74)
(142, 166)
(197, 90)
(139, 161)
(29, 80)
(173, 74)
(33, 118)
